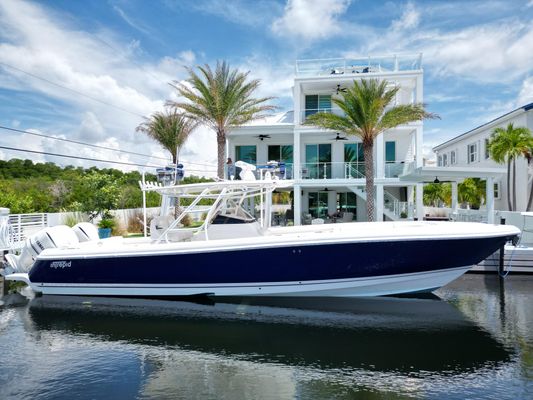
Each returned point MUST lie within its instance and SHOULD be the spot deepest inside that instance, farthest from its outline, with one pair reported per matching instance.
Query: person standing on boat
(230, 167)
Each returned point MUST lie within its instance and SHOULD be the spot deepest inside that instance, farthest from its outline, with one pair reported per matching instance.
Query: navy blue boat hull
(272, 264)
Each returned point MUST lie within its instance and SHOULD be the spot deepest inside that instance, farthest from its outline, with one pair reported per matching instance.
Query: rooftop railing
(359, 65)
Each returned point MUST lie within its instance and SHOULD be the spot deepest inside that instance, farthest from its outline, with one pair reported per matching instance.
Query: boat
(232, 253)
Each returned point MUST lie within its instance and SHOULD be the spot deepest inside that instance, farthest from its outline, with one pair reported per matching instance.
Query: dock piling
(502, 254)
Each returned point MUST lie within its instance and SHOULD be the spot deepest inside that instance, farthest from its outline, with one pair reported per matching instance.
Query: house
(328, 168)
(470, 150)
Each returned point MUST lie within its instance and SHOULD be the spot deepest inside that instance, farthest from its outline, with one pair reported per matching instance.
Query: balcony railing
(304, 114)
(359, 65)
(328, 170)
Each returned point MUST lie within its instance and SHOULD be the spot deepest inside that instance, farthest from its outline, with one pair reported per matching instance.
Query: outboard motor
(60, 236)
(85, 231)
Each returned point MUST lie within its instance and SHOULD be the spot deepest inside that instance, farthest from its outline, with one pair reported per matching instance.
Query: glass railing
(359, 65)
(316, 170)
(326, 170)
(304, 114)
(354, 170)
(280, 170)
(396, 168)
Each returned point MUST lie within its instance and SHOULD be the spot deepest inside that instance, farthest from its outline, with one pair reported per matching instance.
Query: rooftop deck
(359, 65)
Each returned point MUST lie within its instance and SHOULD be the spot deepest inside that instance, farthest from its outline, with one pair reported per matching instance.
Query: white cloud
(492, 52)
(96, 64)
(310, 20)
(409, 19)
(134, 24)
(526, 92)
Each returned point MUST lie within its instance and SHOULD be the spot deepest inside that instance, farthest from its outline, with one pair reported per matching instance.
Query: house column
(296, 174)
(380, 158)
(410, 201)
(297, 205)
(379, 202)
(455, 203)
(420, 201)
(419, 154)
(490, 199)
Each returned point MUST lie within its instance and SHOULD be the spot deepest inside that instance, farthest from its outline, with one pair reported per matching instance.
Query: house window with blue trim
(317, 103)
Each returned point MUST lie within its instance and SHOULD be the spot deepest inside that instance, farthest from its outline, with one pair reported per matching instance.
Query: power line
(70, 89)
(79, 157)
(95, 145)
(93, 159)
(77, 142)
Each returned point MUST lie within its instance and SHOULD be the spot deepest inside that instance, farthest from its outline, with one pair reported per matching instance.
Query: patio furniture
(317, 221)
(347, 217)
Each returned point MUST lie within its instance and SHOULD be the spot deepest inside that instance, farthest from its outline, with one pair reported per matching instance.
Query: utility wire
(77, 142)
(95, 145)
(70, 89)
(79, 157)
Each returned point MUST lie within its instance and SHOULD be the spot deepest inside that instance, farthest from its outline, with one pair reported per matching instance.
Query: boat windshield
(203, 202)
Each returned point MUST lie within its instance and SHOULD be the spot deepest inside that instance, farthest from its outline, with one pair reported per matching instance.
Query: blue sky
(478, 58)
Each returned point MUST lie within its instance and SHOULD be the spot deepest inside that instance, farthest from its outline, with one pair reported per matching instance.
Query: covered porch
(456, 175)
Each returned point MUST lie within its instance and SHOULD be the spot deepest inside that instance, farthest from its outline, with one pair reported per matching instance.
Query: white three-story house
(327, 167)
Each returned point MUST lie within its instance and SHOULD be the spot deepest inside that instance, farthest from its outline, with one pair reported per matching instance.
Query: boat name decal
(60, 264)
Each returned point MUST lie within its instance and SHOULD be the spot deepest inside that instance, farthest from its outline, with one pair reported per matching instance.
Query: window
(246, 154)
(472, 153)
(318, 204)
(452, 157)
(390, 152)
(496, 190)
(487, 153)
(317, 102)
(280, 153)
(354, 157)
(318, 161)
(347, 202)
(445, 160)
(439, 161)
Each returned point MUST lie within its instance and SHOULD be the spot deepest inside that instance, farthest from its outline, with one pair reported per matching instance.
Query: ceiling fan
(437, 180)
(261, 137)
(339, 89)
(338, 137)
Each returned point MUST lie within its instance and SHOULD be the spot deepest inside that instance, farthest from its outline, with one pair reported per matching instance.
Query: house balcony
(360, 65)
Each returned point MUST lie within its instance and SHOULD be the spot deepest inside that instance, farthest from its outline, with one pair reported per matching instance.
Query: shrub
(135, 222)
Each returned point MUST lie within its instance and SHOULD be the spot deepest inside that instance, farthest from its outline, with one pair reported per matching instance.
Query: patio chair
(347, 217)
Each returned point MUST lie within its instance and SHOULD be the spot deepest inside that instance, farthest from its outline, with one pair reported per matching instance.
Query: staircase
(393, 208)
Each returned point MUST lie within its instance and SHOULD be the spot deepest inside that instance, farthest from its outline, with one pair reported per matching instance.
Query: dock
(517, 259)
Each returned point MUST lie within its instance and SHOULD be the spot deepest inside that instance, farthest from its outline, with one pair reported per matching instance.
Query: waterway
(473, 339)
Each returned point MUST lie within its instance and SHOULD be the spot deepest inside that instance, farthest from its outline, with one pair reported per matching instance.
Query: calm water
(474, 341)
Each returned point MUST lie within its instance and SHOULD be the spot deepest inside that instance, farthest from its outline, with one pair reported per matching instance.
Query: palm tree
(472, 191)
(170, 128)
(366, 114)
(221, 99)
(505, 145)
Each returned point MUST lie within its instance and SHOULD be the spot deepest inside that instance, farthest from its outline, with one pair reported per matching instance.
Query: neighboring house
(328, 169)
(470, 150)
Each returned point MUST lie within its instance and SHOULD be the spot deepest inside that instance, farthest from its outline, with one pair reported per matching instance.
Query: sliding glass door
(317, 161)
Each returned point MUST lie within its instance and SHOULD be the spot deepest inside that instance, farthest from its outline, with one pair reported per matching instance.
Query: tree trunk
(530, 200)
(368, 150)
(514, 184)
(509, 204)
(221, 150)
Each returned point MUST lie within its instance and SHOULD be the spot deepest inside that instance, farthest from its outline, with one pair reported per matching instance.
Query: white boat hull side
(372, 286)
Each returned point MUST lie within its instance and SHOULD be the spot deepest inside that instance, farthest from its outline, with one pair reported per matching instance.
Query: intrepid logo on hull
(60, 264)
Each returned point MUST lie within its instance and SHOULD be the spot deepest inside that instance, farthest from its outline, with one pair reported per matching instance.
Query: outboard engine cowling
(60, 236)
(85, 231)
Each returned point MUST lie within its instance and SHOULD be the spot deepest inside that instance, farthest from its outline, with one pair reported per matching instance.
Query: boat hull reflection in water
(405, 336)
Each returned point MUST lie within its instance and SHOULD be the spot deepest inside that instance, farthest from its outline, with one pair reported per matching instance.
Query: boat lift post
(144, 205)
